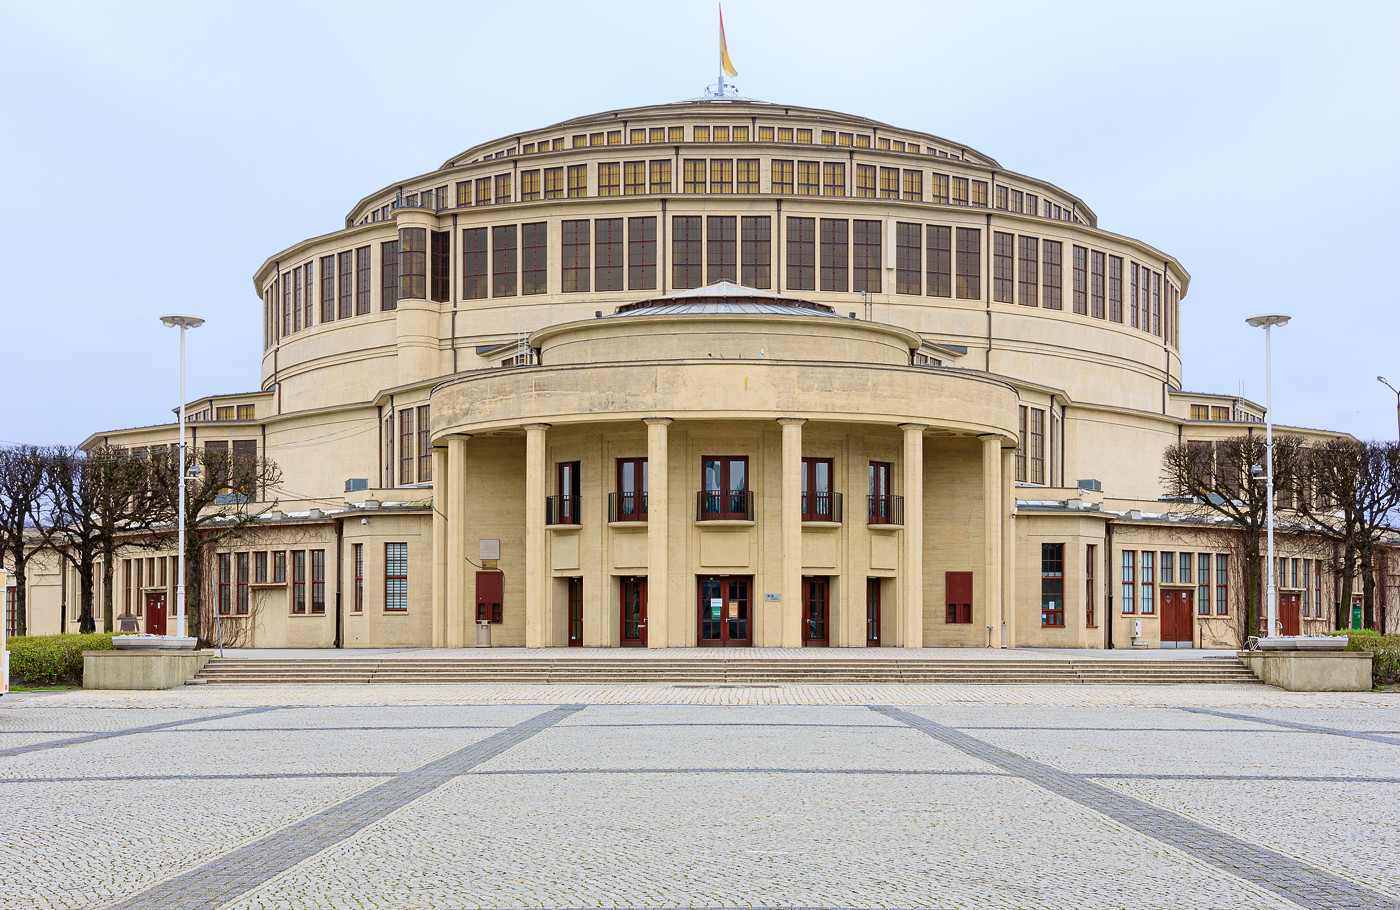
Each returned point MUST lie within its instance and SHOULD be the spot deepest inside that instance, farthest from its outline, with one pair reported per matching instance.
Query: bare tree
(1224, 478)
(21, 494)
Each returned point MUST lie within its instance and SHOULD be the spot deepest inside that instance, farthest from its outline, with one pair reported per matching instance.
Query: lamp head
(1265, 320)
(184, 322)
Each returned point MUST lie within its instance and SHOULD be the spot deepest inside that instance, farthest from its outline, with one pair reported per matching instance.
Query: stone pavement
(663, 796)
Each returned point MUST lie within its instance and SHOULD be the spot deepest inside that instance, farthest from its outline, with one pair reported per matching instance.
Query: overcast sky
(156, 154)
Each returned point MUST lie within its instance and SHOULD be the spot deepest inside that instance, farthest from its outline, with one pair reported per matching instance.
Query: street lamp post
(183, 323)
(1397, 402)
(1267, 323)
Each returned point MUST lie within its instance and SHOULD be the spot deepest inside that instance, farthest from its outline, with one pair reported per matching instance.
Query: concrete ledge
(141, 669)
(1311, 671)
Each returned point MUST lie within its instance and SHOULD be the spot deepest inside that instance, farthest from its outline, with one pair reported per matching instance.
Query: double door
(1288, 606)
(1177, 625)
(155, 614)
(725, 610)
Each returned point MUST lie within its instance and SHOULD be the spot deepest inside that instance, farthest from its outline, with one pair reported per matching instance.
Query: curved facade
(726, 372)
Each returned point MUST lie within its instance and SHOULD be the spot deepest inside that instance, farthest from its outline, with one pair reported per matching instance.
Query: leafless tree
(21, 492)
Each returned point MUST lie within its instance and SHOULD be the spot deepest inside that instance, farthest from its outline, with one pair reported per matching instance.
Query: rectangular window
(1089, 552)
(957, 596)
(575, 253)
(938, 188)
(609, 178)
(554, 183)
(362, 280)
(389, 275)
(503, 189)
(641, 254)
(287, 321)
(475, 257)
(406, 438)
(578, 181)
(503, 261)
(865, 181)
(607, 275)
(387, 437)
(1222, 584)
(724, 488)
(1203, 584)
(1096, 294)
(746, 175)
(969, 263)
(1157, 304)
(1036, 459)
(959, 191)
(534, 258)
(1317, 587)
(702, 134)
(908, 258)
(721, 175)
(801, 254)
(686, 251)
(816, 490)
(1128, 596)
(1149, 601)
(279, 567)
(1002, 196)
(464, 193)
(721, 250)
(395, 577)
(224, 594)
(940, 260)
(1133, 295)
(1022, 443)
(782, 177)
(529, 186)
(765, 134)
(327, 288)
(883, 507)
(867, 268)
(346, 307)
(977, 194)
(357, 551)
(260, 567)
(1081, 281)
(1115, 288)
(631, 501)
(634, 178)
(318, 581)
(835, 254)
(661, 176)
(784, 134)
(308, 279)
(1003, 267)
(1187, 567)
(483, 191)
(889, 183)
(425, 444)
(298, 581)
(834, 178)
(1168, 568)
(1050, 276)
(756, 251)
(808, 178)
(913, 186)
(693, 174)
(1052, 584)
(1028, 271)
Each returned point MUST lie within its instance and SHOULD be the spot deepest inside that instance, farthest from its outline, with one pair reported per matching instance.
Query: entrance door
(816, 601)
(872, 612)
(1176, 619)
(634, 612)
(1288, 613)
(575, 612)
(725, 610)
(155, 614)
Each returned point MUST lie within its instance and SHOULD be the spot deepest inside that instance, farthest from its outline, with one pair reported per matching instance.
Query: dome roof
(728, 298)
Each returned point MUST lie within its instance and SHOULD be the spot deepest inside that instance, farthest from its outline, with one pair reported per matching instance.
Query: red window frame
(1052, 585)
(318, 581)
(241, 579)
(358, 604)
(719, 503)
(298, 581)
(957, 596)
(1089, 603)
(395, 577)
(631, 503)
(817, 493)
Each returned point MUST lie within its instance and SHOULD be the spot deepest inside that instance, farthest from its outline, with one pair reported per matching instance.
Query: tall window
(308, 279)
(693, 175)
(298, 581)
(641, 254)
(362, 279)
(914, 186)
(1052, 584)
(1050, 277)
(318, 581)
(816, 490)
(534, 258)
(1203, 584)
(475, 258)
(661, 176)
(880, 494)
(940, 260)
(578, 181)
(574, 250)
(483, 191)
(406, 438)
(889, 183)
(1037, 446)
(1115, 288)
(279, 567)
(554, 183)
(425, 445)
(969, 264)
(782, 176)
(746, 175)
(1081, 281)
(608, 261)
(1168, 567)
(1149, 588)
(835, 255)
(686, 251)
(631, 490)
(413, 263)
(1002, 267)
(1089, 552)
(1128, 597)
(1096, 295)
(938, 188)
(801, 254)
(260, 567)
(724, 494)
(388, 439)
(1028, 271)
(358, 551)
(977, 193)
(1023, 444)
(503, 261)
(224, 594)
(634, 178)
(503, 189)
(865, 181)
(1157, 304)
(721, 249)
(908, 258)
(395, 577)
(609, 178)
(529, 186)
(834, 179)
(808, 178)
(866, 267)
(1133, 294)
(346, 305)
(756, 251)
(721, 175)
(389, 275)
(327, 288)
(960, 191)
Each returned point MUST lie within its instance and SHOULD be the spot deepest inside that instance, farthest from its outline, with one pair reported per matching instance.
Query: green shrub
(1385, 665)
(39, 660)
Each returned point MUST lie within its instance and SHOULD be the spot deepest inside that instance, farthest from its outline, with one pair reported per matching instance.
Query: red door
(725, 610)
(872, 612)
(1176, 619)
(155, 614)
(575, 612)
(1288, 613)
(816, 605)
(634, 612)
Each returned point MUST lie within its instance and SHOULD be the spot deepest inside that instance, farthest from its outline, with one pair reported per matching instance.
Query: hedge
(43, 660)
(1385, 666)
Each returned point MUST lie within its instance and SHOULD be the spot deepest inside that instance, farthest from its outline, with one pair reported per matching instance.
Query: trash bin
(483, 635)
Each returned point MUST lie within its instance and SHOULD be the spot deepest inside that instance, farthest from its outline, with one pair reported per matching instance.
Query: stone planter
(152, 643)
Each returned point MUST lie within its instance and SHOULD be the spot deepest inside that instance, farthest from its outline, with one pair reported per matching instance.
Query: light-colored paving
(803, 796)
(546, 655)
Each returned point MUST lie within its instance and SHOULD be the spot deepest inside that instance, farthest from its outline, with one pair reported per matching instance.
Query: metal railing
(724, 505)
(821, 505)
(627, 507)
(561, 510)
(886, 510)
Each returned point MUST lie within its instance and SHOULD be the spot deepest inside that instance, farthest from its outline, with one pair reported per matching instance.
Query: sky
(154, 154)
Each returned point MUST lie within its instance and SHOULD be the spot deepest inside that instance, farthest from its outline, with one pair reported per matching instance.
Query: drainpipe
(339, 573)
(1110, 616)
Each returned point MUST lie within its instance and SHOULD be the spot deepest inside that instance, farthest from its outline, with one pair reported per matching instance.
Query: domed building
(722, 372)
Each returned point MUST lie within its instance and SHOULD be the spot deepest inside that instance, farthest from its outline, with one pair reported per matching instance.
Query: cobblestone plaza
(675, 796)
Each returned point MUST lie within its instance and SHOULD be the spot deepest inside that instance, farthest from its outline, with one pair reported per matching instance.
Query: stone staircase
(682, 671)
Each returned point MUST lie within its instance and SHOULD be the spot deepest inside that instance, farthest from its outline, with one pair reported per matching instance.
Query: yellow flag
(725, 63)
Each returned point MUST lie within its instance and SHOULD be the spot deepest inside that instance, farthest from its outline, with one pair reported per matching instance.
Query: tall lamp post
(1397, 402)
(1267, 323)
(183, 323)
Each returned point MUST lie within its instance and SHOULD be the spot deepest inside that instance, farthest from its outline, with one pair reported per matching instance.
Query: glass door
(815, 603)
(575, 612)
(634, 612)
(872, 612)
(724, 610)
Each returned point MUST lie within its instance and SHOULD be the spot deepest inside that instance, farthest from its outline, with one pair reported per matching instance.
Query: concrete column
(455, 613)
(790, 629)
(539, 613)
(911, 593)
(991, 535)
(1008, 543)
(658, 533)
(440, 537)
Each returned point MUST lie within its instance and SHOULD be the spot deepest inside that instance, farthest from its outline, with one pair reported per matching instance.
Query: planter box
(145, 669)
(1311, 671)
(152, 643)
(1299, 643)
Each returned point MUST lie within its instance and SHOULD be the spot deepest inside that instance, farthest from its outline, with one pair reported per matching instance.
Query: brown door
(634, 612)
(155, 614)
(1288, 613)
(816, 604)
(872, 612)
(575, 612)
(1176, 619)
(725, 610)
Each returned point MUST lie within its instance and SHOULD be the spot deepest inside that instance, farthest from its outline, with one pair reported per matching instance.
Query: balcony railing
(561, 510)
(819, 505)
(724, 505)
(627, 507)
(886, 510)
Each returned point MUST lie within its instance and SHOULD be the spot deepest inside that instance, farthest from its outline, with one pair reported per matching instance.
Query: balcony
(627, 507)
(724, 505)
(820, 505)
(561, 510)
(887, 509)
